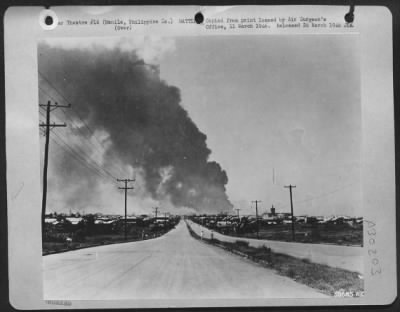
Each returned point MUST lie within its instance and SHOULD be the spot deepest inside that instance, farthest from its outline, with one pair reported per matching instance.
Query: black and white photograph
(212, 167)
(199, 156)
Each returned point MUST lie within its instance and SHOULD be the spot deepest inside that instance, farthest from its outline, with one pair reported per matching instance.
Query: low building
(74, 220)
(283, 215)
(51, 221)
(161, 220)
(104, 221)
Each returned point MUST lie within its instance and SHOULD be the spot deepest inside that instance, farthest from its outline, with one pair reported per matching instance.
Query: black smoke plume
(116, 92)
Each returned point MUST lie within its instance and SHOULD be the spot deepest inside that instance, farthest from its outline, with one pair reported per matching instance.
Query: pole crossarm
(56, 105)
(52, 107)
(53, 125)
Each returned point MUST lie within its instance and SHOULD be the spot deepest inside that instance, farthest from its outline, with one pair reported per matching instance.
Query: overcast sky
(276, 110)
(289, 104)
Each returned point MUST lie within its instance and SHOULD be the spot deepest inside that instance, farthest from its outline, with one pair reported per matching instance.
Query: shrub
(214, 241)
(242, 243)
(315, 234)
(265, 249)
(291, 273)
(80, 235)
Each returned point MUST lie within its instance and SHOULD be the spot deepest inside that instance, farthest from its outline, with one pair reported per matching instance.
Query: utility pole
(165, 219)
(48, 126)
(155, 211)
(258, 227)
(237, 209)
(291, 205)
(125, 188)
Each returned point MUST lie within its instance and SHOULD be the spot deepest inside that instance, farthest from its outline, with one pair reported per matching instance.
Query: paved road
(169, 267)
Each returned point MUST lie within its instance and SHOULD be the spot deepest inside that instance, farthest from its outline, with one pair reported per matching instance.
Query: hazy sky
(286, 102)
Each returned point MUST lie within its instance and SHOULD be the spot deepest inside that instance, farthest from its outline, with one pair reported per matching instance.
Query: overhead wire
(80, 160)
(91, 132)
(81, 152)
(77, 156)
(88, 139)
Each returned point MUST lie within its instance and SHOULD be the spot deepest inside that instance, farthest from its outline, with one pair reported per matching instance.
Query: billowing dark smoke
(116, 92)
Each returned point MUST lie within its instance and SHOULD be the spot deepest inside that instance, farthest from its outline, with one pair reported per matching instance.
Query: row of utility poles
(126, 188)
(256, 202)
(48, 125)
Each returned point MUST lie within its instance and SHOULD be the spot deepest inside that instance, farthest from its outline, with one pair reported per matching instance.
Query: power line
(82, 161)
(48, 81)
(80, 150)
(48, 94)
(94, 146)
(92, 163)
(66, 100)
(84, 156)
(91, 132)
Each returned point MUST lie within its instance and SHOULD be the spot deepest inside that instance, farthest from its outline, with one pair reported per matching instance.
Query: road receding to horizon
(174, 266)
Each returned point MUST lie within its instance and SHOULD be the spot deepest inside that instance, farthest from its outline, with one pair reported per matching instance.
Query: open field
(95, 240)
(338, 234)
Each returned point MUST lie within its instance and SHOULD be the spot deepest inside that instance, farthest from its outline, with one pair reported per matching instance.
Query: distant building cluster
(99, 218)
(285, 217)
(272, 218)
(66, 223)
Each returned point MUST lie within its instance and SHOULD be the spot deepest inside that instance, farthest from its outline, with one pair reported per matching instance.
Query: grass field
(338, 234)
(49, 247)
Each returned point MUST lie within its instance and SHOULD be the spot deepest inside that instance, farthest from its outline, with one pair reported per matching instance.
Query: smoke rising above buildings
(146, 128)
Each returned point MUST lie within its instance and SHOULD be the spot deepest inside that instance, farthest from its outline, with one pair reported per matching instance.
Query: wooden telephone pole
(291, 206)
(48, 126)
(237, 210)
(125, 188)
(156, 211)
(258, 226)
